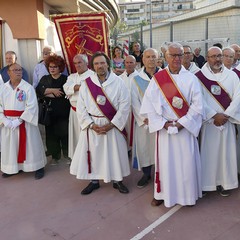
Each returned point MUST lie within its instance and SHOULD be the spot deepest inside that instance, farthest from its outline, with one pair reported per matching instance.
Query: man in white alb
(71, 88)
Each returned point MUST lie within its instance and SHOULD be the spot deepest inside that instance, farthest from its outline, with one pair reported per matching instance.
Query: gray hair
(51, 48)
(11, 52)
(228, 48)
(187, 46)
(152, 49)
(175, 45)
(82, 56)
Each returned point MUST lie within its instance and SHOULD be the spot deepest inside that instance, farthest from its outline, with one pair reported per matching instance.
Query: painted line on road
(156, 223)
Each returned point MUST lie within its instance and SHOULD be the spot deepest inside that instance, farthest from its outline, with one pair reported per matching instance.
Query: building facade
(27, 25)
(136, 12)
(210, 22)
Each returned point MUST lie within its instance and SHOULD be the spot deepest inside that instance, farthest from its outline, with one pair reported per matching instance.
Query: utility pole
(150, 23)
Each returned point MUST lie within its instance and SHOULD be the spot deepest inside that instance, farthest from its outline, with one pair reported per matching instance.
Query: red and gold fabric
(84, 33)
(171, 92)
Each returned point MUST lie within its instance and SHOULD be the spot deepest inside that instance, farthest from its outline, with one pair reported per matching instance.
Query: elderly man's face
(15, 72)
(236, 48)
(150, 59)
(10, 58)
(130, 64)
(80, 65)
(174, 58)
(215, 59)
(46, 53)
(188, 55)
(228, 58)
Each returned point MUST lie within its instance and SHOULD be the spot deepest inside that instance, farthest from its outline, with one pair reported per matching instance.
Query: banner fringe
(74, 14)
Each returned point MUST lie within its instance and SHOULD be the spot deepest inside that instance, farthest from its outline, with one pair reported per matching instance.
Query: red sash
(237, 72)
(171, 93)
(107, 109)
(74, 108)
(223, 99)
(22, 135)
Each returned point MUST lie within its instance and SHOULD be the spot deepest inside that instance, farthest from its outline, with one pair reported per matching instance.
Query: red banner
(81, 33)
(1, 53)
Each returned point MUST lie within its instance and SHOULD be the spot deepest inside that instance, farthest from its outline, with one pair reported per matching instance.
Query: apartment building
(135, 12)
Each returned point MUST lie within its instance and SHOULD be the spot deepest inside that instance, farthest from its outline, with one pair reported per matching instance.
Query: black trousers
(57, 138)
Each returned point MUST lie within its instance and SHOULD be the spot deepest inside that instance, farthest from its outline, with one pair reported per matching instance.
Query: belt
(22, 135)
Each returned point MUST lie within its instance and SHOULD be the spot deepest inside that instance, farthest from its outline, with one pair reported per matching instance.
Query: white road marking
(156, 223)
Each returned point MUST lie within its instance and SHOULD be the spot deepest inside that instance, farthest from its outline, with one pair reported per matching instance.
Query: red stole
(74, 108)
(171, 92)
(176, 101)
(22, 135)
(237, 72)
(216, 90)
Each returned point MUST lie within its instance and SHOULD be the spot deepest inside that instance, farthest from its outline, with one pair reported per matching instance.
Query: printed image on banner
(81, 34)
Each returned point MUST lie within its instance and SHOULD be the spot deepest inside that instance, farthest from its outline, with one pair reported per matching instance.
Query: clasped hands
(13, 124)
(173, 124)
(220, 119)
(102, 130)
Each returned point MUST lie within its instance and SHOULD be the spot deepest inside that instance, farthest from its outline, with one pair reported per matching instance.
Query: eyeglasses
(216, 56)
(227, 56)
(54, 67)
(187, 53)
(16, 70)
(176, 55)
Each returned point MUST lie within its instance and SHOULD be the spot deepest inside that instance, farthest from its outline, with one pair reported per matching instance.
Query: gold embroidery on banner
(83, 32)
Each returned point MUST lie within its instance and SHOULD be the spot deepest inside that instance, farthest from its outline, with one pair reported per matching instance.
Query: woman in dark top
(50, 88)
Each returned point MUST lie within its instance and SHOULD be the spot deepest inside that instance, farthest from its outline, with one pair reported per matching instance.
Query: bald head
(130, 64)
(215, 59)
(150, 56)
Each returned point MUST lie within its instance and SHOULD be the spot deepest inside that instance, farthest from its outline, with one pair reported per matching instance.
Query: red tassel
(157, 181)
(89, 161)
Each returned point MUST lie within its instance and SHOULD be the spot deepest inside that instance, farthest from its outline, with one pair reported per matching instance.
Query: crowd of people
(174, 116)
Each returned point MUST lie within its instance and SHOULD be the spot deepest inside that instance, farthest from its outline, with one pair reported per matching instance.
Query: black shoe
(5, 175)
(143, 181)
(47, 154)
(156, 203)
(90, 187)
(204, 193)
(56, 156)
(223, 192)
(39, 173)
(120, 187)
